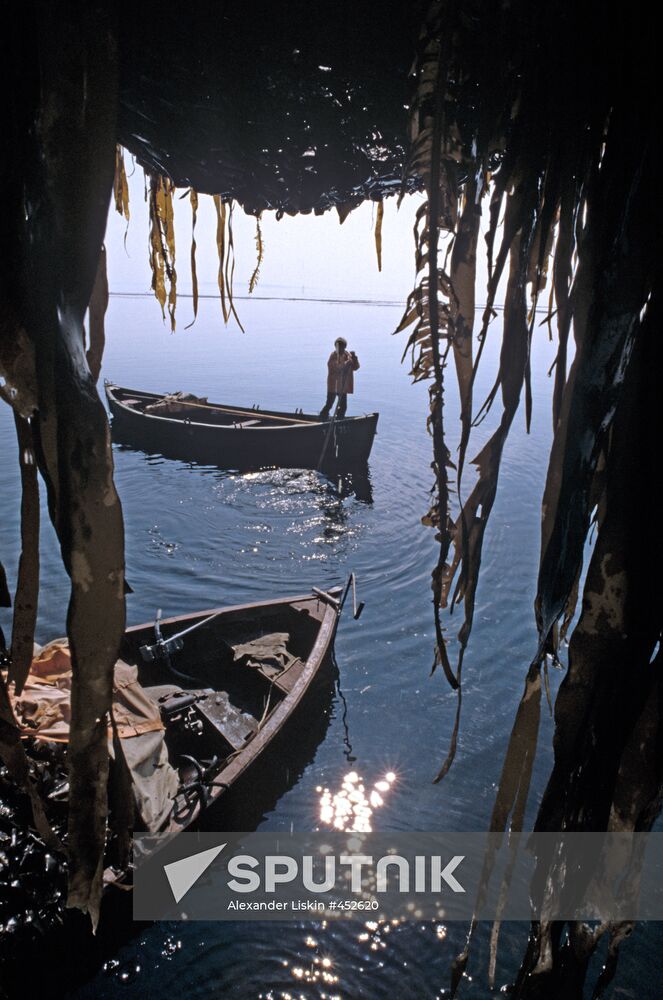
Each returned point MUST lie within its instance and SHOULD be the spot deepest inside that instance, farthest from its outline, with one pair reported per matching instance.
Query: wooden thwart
(240, 413)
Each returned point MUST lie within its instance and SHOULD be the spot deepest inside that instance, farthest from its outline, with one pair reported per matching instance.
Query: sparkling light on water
(351, 808)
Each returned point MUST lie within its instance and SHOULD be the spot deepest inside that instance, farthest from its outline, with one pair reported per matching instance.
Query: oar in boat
(356, 608)
(162, 649)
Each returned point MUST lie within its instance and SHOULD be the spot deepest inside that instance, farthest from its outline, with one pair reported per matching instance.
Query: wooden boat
(215, 710)
(237, 437)
(222, 699)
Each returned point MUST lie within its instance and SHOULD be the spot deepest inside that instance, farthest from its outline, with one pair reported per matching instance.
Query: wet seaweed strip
(194, 274)
(75, 152)
(97, 312)
(344, 210)
(97, 592)
(431, 317)
(608, 709)
(157, 264)
(260, 252)
(561, 286)
(169, 234)
(193, 197)
(230, 266)
(5, 596)
(121, 186)
(582, 202)
(221, 250)
(596, 378)
(463, 281)
(121, 190)
(162, 245)
(378, 233)
(27, 585)
(226, 252)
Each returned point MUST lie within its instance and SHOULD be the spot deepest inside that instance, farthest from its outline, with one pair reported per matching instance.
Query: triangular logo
(184, 873)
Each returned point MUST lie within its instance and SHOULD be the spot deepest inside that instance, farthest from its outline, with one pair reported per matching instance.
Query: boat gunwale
(229, 608)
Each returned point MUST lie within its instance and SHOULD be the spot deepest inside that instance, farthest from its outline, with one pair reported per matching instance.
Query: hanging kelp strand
(193, 197)
(162, 244)
(156, 253)
(428, 306)
(458, 173)
(225, 249)
(260, 250)
(230, 265)
(120, 185)
(96, 316)
(378, 233)
(553, 153)
(220, 207)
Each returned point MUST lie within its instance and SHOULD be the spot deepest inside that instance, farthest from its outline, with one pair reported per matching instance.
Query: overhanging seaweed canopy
(553, 153)
(296, 108)
(544, 112)
(263, 110)
(539, 112)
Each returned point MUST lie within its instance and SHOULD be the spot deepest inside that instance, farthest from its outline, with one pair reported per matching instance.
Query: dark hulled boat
(236, 437)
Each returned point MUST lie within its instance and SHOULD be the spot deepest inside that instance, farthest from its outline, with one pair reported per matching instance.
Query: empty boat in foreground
(200, 701)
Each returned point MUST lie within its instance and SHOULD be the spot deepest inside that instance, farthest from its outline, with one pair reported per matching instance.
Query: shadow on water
(59, 960)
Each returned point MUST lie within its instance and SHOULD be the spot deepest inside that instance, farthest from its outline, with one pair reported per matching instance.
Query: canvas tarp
(43, 711)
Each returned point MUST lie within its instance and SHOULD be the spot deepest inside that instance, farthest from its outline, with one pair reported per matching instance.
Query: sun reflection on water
(351, 808)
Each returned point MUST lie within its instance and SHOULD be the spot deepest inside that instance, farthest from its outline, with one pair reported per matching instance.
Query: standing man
(340, 378)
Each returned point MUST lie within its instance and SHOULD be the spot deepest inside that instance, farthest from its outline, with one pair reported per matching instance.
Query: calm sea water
(199, 537)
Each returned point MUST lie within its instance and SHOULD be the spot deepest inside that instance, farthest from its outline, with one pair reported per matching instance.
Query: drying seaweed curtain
(57, 172)
(542, 113)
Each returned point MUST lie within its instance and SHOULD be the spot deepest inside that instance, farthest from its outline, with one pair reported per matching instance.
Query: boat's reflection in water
(352, 482)
(345, 480)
